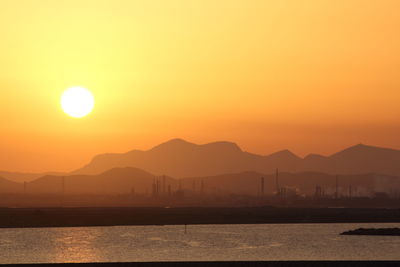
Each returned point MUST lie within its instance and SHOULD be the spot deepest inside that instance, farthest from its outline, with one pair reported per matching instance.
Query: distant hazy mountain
(7, 186)
(357, 159)
(25, 177)
(114, 181)
(124, 180)
(179, 158)
(175, 158)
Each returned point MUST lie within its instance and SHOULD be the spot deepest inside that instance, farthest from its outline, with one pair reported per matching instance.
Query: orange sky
(310, 76)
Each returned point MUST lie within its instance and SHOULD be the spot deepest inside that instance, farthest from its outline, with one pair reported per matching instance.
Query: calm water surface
(201, 242)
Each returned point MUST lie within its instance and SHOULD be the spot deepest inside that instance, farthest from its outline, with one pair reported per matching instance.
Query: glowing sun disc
(77, 102)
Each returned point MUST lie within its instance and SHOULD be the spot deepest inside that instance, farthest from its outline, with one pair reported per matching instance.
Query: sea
(240, 242)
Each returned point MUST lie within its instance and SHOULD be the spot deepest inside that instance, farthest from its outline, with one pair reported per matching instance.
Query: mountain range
(219, 168)
(179, 158)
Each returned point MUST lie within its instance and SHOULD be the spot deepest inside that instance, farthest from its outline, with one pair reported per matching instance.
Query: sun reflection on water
(77, 245)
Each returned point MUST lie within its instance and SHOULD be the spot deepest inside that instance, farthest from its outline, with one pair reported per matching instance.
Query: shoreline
(106, 216)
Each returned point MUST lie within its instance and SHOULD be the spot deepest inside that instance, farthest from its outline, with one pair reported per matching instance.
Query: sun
(77, 102)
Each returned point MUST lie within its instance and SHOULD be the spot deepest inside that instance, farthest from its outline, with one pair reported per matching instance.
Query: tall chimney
(262, 186)
(277, 181)
(164, 191)
(154, 190)
(63, 185)
(337, 187)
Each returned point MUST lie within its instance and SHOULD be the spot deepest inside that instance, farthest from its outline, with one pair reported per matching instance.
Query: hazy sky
(311, 76)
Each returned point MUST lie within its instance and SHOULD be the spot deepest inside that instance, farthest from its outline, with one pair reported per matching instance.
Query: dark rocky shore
(71, 217)
(374, 231)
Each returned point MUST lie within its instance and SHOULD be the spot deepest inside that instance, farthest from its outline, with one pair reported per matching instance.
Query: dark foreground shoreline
(374, 231)
(229, 264)
(74, 217)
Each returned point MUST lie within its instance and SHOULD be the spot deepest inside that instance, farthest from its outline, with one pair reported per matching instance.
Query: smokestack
(262, 186)
(63, 185)
(318, 191)
(277, 181)
(337, 187)
(164, 191)
(154, 187)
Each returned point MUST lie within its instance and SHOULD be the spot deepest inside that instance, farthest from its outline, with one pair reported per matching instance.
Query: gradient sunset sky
(310, 76)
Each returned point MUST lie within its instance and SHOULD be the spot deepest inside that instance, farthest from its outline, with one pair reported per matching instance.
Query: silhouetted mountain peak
(314, 156)
(224, 146)
(177, 141)
(174, 144)
(362, 149)
(180, 158)
(284, 154)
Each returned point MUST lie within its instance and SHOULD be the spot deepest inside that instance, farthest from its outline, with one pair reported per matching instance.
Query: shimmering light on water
(202, 242)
